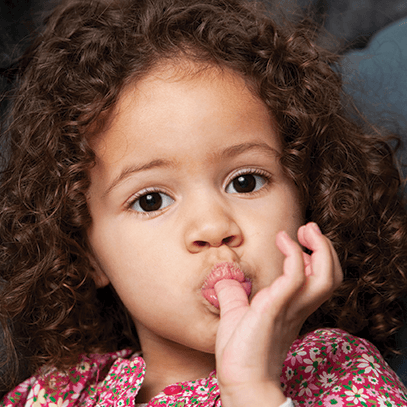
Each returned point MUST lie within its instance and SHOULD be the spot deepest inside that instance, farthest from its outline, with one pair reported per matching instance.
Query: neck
(169, 363)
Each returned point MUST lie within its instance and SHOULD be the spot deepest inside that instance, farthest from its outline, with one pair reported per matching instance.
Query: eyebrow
(133, 169)
(238, 149)
(229, 152)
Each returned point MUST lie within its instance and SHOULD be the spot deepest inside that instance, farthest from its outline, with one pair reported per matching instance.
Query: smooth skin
(188, 176)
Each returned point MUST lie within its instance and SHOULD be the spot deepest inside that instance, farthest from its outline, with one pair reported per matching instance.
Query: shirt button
(173, 389)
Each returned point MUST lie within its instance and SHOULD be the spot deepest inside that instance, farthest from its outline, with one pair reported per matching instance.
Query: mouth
(223, 271)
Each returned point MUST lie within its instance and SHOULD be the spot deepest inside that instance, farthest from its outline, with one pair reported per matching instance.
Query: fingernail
(316, 228)
(285, 235)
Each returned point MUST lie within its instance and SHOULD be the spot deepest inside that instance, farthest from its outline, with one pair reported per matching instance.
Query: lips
(223, 271)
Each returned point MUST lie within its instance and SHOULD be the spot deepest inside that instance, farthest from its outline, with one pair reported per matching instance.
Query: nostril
(227, 241)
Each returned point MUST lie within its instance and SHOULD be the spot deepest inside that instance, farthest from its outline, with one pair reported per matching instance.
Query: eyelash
(247, 171)
(131, 202)
(250, 171)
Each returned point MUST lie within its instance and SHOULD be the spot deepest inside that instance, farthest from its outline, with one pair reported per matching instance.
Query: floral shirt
(327, 367)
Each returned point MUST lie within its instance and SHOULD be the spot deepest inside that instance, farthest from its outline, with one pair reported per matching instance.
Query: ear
(99, 276)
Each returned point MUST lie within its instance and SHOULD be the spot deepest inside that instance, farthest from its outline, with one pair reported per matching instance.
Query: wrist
(267, 394)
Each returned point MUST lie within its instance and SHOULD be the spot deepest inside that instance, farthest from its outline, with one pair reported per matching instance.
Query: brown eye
(152, 201)
(245, 183)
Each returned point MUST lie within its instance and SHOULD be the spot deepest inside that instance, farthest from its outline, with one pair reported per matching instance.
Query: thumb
(231, 296)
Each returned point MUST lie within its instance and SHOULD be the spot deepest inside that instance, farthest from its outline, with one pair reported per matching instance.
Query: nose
(212, 225)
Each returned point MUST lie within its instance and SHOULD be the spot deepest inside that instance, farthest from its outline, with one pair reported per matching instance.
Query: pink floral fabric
(327, 367)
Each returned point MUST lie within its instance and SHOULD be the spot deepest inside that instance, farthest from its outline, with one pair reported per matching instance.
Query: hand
(253, 339)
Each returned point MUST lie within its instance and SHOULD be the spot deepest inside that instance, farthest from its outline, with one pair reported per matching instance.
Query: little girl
(168, 163)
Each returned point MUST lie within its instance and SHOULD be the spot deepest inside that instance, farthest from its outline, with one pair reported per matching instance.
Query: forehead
(178, 100)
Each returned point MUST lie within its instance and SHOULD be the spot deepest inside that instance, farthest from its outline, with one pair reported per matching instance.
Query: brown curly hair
(75, 71)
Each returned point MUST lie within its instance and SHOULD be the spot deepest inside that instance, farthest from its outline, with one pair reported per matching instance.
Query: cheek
(263, 226)
(110, 246)
(274, 216)
(126, 252)
(291, 210)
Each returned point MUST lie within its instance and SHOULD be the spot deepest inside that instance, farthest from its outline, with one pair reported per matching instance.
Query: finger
(307, 264)
(321, 260)
(324, 274)
(324, 256)
(293, 263)
(231, 296)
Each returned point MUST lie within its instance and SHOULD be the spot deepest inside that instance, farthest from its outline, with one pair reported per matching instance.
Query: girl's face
(187, 176)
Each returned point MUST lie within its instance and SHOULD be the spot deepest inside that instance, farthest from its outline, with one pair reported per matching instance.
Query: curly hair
(74, 72)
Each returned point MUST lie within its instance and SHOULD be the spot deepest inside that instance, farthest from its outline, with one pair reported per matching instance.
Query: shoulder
(84, 384)
(331, 366)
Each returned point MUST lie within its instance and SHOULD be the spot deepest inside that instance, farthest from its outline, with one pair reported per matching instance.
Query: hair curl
(75, 71)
